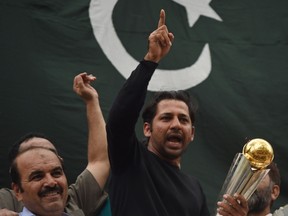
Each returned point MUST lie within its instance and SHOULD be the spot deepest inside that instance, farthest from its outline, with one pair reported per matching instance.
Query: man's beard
(259, 200)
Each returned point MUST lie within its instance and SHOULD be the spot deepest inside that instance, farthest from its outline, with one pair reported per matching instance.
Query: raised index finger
(162, 18)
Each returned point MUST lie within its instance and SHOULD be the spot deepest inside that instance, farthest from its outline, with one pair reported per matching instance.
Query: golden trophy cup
(248, 169)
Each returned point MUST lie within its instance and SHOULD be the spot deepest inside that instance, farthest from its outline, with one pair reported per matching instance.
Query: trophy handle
(241, 178)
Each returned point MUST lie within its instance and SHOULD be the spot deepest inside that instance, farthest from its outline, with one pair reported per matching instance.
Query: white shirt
(282, 211)
(26, 212)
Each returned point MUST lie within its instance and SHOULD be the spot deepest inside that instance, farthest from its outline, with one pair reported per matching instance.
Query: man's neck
(175, 162)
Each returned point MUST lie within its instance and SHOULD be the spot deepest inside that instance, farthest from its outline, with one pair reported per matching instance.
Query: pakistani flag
(232, 55)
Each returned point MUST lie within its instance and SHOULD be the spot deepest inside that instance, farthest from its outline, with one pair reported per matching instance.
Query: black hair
(274, 173)
(14, 150)
(150, 110)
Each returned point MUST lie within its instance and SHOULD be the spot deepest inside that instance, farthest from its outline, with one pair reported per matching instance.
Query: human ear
(275, 192)
(192, 133)
(147, 129)
(17, 191)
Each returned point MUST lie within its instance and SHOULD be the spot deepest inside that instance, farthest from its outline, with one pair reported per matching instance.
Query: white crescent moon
(100, 13)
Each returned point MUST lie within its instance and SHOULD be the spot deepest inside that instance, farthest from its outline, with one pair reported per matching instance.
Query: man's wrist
(151, 57)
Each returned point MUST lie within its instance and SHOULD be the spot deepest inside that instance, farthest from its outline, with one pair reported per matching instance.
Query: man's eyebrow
(166, 113)
(170, 114)
(37, 172)
(184, 115)
(57, 168)
(33, 173)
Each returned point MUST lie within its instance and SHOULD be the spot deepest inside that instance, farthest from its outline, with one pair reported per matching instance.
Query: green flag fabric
(231, 55)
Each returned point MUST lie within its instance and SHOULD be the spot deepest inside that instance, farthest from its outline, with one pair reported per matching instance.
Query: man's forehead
(39, 157)
(170, 105)
(36, 142)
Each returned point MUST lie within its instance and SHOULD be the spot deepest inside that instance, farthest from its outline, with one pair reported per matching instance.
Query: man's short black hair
(181, 95)
(14, 150)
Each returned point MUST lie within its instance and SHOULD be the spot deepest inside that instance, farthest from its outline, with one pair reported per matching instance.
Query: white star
(195, 8)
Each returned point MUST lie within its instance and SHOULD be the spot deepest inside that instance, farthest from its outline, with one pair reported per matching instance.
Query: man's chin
(174, 153)
(174, 146)
(53, 203)
(55, 207)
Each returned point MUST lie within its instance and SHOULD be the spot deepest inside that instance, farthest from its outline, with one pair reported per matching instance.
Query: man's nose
(175, 123)
(50, 181)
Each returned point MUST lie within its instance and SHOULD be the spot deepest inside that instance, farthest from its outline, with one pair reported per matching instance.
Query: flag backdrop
(230, 54)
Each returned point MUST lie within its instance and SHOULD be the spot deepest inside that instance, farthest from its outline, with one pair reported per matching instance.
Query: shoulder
(85, 195)
(84, 182)
(9, 201)
(282, 211)
(6, 192)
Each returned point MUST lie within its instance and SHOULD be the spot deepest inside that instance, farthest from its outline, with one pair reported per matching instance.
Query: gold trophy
(248, 169)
